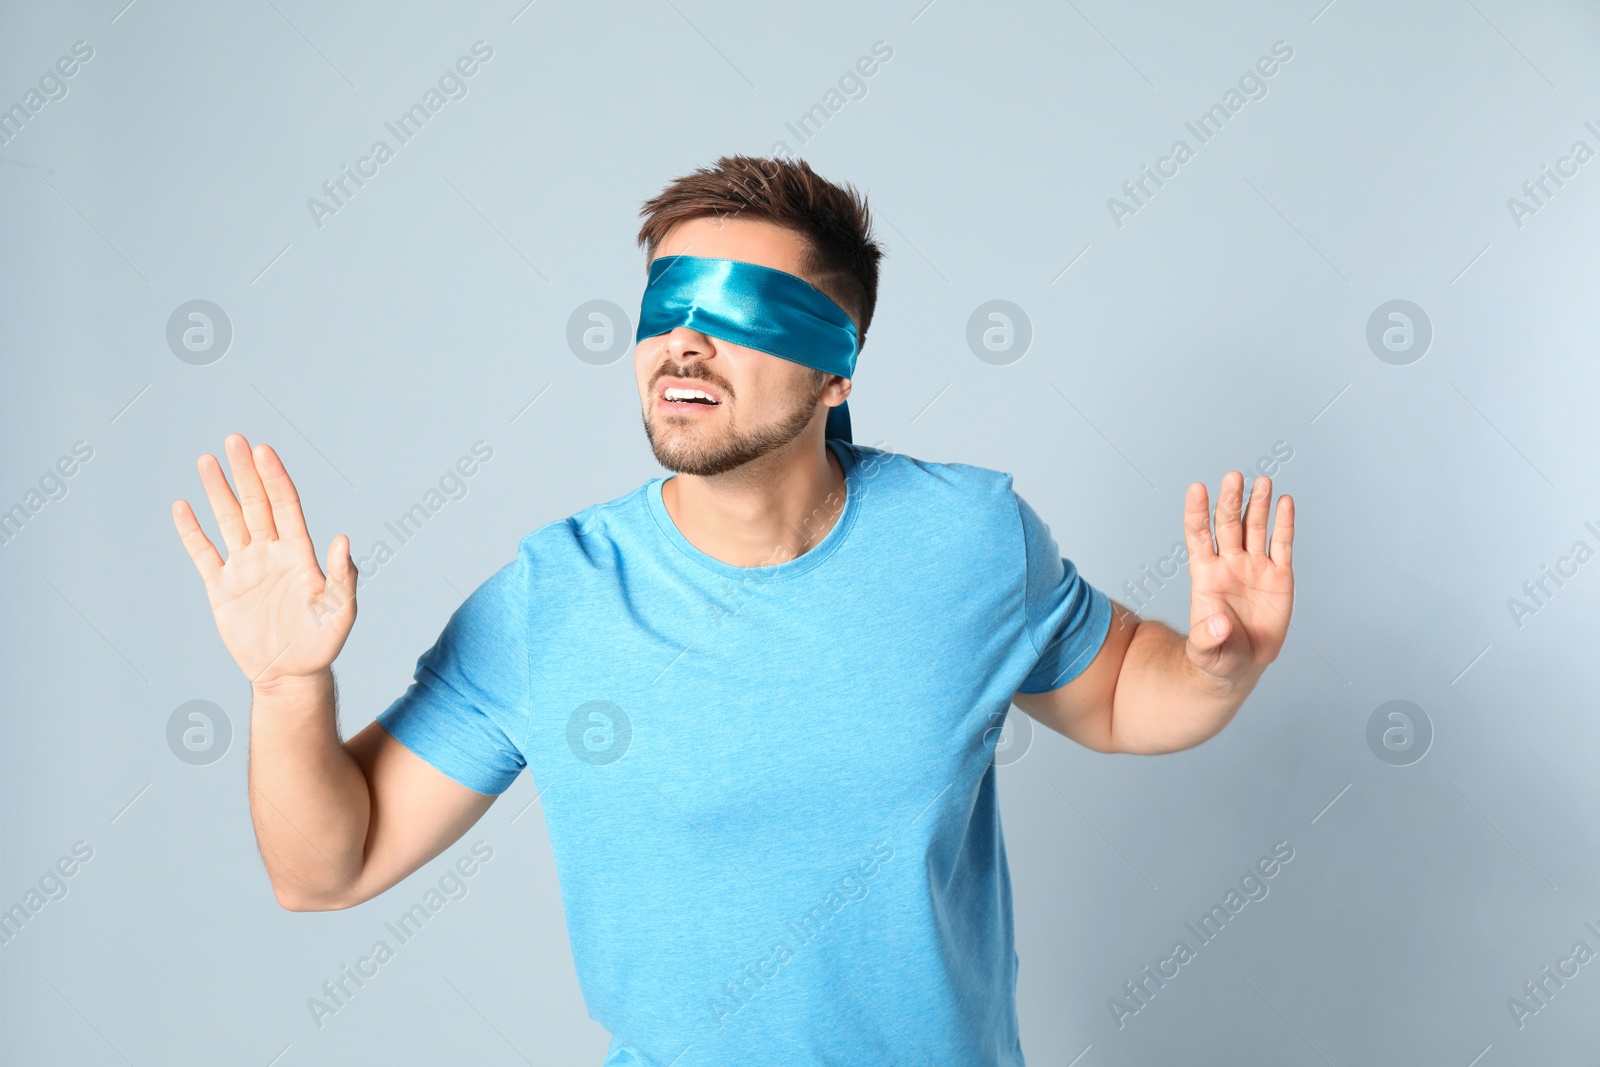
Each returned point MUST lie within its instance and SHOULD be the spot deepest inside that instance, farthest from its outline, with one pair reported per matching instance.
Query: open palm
(278, 616)
(1251, 591)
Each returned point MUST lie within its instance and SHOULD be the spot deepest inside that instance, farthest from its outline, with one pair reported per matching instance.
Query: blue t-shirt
(770, 791)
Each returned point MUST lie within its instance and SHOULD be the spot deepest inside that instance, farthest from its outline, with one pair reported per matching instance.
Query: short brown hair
(841, 258)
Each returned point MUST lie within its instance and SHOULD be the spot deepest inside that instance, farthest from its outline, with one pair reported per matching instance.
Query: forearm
(309, 799)
(1163, 702)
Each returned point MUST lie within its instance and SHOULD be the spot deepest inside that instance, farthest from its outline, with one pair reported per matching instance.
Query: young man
(759, 697)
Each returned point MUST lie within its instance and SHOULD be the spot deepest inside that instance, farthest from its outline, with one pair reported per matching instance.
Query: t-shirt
(770, 791)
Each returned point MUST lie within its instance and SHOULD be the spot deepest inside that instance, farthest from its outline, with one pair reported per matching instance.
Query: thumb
(1207, 636)
(341, 569)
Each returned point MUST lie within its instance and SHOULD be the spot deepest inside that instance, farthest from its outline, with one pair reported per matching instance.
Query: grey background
(1228, 314)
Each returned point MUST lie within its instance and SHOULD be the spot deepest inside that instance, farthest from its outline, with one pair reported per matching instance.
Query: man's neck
(767, 512)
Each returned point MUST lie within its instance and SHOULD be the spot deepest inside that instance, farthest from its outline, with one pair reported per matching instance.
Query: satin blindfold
(754, 306)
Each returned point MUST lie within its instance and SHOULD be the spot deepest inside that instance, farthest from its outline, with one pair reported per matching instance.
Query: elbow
(290, 900)
(1157, 748)
(1124, 746)
(1106, 744)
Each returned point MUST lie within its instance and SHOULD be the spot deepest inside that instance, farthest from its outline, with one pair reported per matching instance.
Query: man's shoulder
(587, 531)
(552, 561)
(949, 496)
(926, 476)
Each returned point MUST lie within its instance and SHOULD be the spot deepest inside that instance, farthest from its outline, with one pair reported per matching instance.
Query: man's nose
(685, 342)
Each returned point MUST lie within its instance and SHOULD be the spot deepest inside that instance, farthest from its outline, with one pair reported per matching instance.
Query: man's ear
(836, 386)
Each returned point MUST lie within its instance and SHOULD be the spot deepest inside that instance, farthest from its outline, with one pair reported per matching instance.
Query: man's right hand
(280, 618)
(337, 822)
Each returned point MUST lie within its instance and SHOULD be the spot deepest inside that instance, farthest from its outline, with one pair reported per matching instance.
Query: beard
(701, 451)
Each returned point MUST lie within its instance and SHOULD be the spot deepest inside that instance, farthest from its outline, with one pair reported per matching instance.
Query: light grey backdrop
(1219, 318)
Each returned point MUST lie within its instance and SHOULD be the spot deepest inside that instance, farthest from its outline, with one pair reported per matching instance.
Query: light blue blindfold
(754, 306)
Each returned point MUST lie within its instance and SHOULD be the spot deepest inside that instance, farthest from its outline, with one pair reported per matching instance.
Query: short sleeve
(469, 696)
(1067, 618)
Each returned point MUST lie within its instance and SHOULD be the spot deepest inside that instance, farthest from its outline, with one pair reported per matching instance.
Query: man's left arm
(1151, 689)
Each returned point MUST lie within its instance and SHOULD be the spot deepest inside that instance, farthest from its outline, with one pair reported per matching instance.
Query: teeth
(674, 393)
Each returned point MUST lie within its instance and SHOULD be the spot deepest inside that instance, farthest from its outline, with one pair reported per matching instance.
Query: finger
(287, 518)
(230, 518)
(341, 570)
(207, 560)
(1283, 532)
(1255, 516)
(1229, 533)
(1197, 524)
(339, 588)
(252, 496)
(1210, 633)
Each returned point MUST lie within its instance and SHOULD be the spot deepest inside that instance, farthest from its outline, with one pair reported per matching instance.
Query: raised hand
(278, 616)
(1241, 596)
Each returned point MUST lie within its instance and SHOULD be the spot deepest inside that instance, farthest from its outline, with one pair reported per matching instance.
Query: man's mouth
(686, 397)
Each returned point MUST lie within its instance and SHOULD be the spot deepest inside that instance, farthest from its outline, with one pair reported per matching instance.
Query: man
(759, 697)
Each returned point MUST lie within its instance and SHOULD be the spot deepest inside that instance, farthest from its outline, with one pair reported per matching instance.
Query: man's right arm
(336, 822)
(339, 823)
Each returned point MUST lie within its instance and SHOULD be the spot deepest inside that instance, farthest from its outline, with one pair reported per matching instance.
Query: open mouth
(687, 398)
(684, 396)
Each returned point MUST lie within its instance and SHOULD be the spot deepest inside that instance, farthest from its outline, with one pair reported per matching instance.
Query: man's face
(763, 402)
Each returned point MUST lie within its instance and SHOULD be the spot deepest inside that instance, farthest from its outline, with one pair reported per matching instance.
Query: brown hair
(841, 258)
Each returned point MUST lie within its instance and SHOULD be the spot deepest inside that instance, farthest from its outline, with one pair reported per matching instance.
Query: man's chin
(705, 450)
(698, 462)
(684, 452)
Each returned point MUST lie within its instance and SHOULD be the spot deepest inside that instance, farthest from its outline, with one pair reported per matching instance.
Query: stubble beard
(704, 452)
